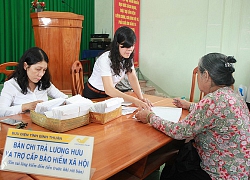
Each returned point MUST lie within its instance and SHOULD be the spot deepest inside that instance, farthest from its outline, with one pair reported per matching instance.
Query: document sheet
(168, 113)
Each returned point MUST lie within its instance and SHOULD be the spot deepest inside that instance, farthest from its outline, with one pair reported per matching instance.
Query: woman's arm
(12, 101)
(6, 109)
(182, 103)
(197, 121)
(6, 99)
(113, 92)
(133, 80)
(181, 130)
(53, 92)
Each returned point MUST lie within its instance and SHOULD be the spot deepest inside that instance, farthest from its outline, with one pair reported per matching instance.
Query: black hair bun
(230, 59)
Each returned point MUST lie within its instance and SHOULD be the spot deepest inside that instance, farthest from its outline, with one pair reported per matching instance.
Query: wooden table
(123, 148)
(5, 175)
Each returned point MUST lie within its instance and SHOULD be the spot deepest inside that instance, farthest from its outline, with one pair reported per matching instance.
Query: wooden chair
(4, 68)
(77, 83)
(193, 86)
(86, 63)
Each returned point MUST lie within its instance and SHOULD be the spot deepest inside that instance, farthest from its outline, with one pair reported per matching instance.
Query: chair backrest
(77, 83)
(5, 70)
(193, 86)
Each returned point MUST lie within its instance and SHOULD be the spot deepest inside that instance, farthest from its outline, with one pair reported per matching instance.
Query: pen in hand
(179, 101)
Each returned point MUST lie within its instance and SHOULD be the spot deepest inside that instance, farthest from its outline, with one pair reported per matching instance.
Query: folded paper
(107, 105)
(48, 105)
(78, 99)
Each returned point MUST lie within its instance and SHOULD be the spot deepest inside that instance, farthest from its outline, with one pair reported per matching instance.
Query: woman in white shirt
(111, 67)
(28, 85)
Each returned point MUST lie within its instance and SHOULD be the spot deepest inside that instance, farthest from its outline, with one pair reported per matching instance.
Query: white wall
(174, 34)
(104, 17)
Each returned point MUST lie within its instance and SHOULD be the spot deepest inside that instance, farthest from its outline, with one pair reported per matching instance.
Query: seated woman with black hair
(219, 124)
(28, 85)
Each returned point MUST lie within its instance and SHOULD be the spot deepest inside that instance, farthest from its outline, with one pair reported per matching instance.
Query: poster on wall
(127, 13)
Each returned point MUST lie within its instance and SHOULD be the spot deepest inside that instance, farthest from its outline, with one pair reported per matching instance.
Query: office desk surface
(117, 144)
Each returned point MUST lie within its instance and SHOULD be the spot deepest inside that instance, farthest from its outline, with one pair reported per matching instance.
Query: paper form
(168, 113)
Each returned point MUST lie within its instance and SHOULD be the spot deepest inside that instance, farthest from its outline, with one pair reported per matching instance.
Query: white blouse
(102, 68)
(11, 98)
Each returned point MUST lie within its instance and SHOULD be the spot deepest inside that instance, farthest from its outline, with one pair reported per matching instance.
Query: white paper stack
(84, 103)
(128, 110)
(70, 111)
(65, 112)
(107, 105)
(75, 106)
(78, 99)
(84, 108)
(48, 105)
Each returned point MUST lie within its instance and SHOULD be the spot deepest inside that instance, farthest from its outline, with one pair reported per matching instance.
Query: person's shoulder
(11, 84)
(52, 85)
(10, 81)
(222, 94)
(225, 91)
(104, 57)
(105, 54)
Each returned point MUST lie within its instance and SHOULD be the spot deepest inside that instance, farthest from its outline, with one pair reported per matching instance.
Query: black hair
(125, 37)
(31, 56)
(220, 68)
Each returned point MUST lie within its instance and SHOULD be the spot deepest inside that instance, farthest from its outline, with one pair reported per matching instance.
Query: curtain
(16, 33)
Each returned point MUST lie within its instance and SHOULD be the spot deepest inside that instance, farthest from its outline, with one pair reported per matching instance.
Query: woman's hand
(143, 115)
(30, 106)
(181, 103)
(147, 101)
(141, 105)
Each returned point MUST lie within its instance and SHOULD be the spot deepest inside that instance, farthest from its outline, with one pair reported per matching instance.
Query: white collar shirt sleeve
(12, 98)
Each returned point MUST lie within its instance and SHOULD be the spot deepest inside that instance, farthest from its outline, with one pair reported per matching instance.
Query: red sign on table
(127, 13)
